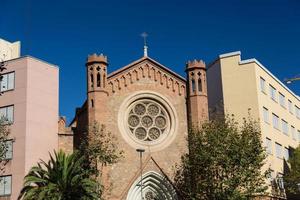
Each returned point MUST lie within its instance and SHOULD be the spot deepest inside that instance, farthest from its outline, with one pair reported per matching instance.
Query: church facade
(148, 108)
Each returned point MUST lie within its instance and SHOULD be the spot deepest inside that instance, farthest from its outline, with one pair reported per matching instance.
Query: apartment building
(9, 50)
(29, 100)
(246, 86)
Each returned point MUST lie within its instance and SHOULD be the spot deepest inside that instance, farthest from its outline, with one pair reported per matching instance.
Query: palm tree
(62, 178)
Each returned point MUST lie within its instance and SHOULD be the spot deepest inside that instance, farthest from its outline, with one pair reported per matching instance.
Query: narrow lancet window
(98, 80)
(92, 80)
(199, 85)
(193, 85)
(104, 80)
(92, 103)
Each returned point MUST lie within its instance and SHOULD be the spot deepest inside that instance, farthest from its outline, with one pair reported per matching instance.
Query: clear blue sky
(64, 32)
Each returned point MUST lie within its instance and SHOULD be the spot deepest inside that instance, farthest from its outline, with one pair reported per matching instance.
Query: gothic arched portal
(155, 187)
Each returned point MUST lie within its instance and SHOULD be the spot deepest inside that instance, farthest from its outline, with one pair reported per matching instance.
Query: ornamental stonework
(147, 120)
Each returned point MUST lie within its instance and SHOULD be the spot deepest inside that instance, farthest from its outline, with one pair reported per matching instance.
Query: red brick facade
(111, 99)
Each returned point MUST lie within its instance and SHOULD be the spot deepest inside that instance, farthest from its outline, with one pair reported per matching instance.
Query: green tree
(292, 176)
(4, 129)
(61, 178)
(99, 148)
(223, 163)
(4, 136)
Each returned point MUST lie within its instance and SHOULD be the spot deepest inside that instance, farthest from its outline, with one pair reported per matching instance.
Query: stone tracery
(147, 120)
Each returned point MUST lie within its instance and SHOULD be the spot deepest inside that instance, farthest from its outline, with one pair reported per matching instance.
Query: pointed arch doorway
(155, 187)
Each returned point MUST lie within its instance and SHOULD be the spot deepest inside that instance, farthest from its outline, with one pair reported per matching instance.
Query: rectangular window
(290, 107)
(286, 153)
(293, 131)
(5, 185)
(280, 181)
(8, 82)
(266, 115)
(8, 150)
(7, 113)
(262, 85)
(297, 112)
(285, 128)
(275, 121)
(273, 93)
(268, 146)
(271, 176)
(282, 100)
(278, 149)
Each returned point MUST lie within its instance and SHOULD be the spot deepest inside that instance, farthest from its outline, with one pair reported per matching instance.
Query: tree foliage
(223, 163)
(4, 136)
(61, 178)
(99, 147)
(292, 175)
(4, 129)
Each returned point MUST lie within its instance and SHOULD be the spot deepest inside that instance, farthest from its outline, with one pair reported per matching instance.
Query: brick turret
(96, 67)
(196, 93)
(97, 72)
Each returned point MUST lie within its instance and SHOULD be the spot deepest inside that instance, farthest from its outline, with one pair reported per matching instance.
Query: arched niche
(155, 187)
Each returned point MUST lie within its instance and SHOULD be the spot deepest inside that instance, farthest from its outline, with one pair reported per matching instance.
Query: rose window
(148, 120)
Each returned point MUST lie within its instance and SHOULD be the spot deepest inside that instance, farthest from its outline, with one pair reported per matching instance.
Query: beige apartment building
(246, 86)
(9, 50)
(29, 100)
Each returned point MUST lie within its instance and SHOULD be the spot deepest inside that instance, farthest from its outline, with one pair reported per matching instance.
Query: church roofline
(141, 60)
(80, 110)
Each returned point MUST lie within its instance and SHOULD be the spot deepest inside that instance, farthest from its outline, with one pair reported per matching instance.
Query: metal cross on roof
(145, 35)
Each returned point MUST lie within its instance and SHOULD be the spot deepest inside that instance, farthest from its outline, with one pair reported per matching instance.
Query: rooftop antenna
(145, 35)
(290, 80)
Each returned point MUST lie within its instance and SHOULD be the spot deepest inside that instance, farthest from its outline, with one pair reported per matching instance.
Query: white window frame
(8, 82)
(271, 176)
(278, 150)
(5, 188)
(282, 100)
(273, 93)
(286, 153)
(262, 85)
(280, 181)
(297, 112)
(7, 112)
(285, 127)
(269, 145)
(293, 131)
(266, 115)
(290, 104)
(275, 120)
(9, 150)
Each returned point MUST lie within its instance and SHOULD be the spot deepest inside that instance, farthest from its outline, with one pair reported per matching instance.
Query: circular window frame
(163, 113)
(123, 115)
